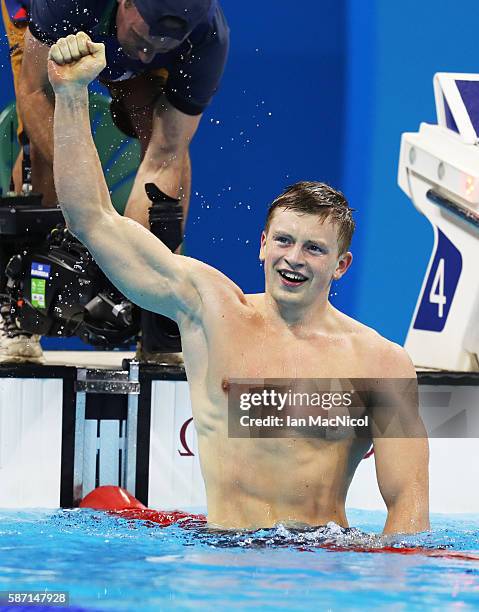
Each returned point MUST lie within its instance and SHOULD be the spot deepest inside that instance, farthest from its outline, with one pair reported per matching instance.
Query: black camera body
(58, 290)
(55, 288)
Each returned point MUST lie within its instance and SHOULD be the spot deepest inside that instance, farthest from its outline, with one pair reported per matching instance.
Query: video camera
(55, 288)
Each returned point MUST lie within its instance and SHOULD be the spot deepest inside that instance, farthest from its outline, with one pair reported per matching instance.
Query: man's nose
(294, 257)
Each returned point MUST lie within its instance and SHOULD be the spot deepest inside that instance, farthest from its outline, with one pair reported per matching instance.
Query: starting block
(439, 171)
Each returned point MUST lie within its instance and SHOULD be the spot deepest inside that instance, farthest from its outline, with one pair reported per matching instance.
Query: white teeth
(292, 276)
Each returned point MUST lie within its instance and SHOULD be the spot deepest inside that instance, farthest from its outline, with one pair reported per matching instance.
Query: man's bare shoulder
(211, 283)
(386, 359)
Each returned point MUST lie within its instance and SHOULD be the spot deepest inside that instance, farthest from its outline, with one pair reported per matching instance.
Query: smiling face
(301, 258)
(134, 36)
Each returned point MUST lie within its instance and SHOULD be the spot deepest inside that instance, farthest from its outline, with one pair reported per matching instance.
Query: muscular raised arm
(141, 266)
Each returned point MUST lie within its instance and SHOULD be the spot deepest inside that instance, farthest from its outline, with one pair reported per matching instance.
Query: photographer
(165, 62)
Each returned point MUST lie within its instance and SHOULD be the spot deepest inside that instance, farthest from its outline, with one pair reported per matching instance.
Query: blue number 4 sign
(440, 287)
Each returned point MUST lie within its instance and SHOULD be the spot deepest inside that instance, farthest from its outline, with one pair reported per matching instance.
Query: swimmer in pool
(289, 331)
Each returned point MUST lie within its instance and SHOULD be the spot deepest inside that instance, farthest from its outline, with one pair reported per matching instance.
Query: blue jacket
(195, 68)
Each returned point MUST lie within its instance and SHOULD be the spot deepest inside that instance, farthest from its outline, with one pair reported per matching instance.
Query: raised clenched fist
(74, 62)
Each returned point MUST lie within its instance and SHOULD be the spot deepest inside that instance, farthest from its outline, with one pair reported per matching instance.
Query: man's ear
(345, 260)
(262, 247)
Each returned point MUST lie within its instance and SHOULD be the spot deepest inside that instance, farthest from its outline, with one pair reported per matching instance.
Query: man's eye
(315, 248)
(282, 239)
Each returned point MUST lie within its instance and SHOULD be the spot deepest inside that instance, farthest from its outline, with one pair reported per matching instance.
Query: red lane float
(463, 555)
(121, 503)
(110, 498)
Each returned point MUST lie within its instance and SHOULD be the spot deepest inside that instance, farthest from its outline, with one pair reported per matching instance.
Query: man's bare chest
(260, 351)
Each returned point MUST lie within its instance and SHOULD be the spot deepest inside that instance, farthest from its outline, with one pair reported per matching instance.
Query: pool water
(108, 563)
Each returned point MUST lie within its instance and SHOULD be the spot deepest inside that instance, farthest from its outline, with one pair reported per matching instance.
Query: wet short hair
(321, 200)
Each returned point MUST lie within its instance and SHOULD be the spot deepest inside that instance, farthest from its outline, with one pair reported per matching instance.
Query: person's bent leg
(16, 346)
(132, 110)
(15, 35)
(42, 178)
(136, 106)
(185, 191)
(42, 172)
(15, 32)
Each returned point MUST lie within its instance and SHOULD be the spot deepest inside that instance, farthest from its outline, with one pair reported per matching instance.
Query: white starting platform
(66, 429)
(439, 171)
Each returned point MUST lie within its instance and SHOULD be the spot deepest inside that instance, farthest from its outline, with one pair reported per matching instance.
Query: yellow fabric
(15, 35)
(160, 72)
